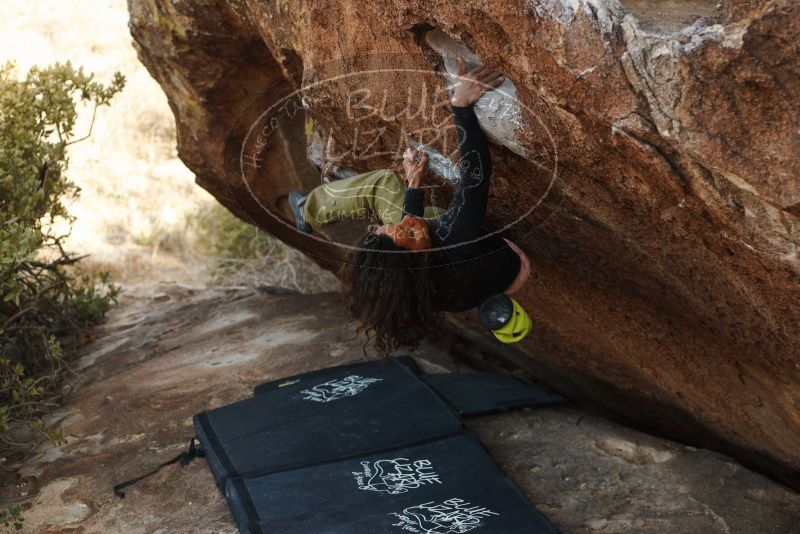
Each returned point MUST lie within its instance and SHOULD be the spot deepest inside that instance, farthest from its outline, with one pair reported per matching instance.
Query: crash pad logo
(395, 476)
(453, 516)
(338, 389)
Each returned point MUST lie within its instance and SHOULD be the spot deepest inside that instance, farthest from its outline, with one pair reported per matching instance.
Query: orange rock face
(646, 157)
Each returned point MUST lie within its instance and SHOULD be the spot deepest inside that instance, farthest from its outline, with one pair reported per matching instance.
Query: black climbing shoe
(296, 201)
(496, 311)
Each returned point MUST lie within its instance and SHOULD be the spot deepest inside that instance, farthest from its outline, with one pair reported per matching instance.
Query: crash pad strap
(192, 452)
(214, 443)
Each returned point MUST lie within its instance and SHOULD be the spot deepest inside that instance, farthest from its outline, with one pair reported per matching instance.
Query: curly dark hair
(392, 292)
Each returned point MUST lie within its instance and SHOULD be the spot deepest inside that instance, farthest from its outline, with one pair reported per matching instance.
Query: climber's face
(411, 234)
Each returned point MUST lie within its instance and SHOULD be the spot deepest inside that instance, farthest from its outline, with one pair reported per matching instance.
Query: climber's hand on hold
(471, 86)
(414, 162)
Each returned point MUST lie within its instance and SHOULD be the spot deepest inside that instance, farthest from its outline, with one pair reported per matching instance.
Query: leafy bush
(12, 516)
(45, 308)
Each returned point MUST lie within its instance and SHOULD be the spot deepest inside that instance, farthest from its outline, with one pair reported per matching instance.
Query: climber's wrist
(460, 102)
(414, 180)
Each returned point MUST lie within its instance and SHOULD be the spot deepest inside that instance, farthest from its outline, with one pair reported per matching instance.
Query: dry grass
(246, 256)
(138, 200)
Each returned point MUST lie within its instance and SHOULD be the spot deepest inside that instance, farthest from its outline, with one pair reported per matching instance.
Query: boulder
(646, 158)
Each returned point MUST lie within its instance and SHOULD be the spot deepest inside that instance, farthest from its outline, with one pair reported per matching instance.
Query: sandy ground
(136, 194)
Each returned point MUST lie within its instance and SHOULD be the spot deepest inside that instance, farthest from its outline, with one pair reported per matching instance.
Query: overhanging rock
(657, 143)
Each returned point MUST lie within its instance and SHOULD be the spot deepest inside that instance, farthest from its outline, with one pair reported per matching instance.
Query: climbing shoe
(296, 202)
(504, 316)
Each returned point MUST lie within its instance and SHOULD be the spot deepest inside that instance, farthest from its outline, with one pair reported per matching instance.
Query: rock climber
(422, 261)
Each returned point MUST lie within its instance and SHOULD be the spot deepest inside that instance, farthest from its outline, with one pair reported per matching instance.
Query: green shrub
(12, 516)
(45, 308)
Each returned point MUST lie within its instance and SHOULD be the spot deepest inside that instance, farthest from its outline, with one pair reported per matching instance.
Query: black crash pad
(470, 394)
(337, 414)
(449, 486)
(484, 393)
(355, 368)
